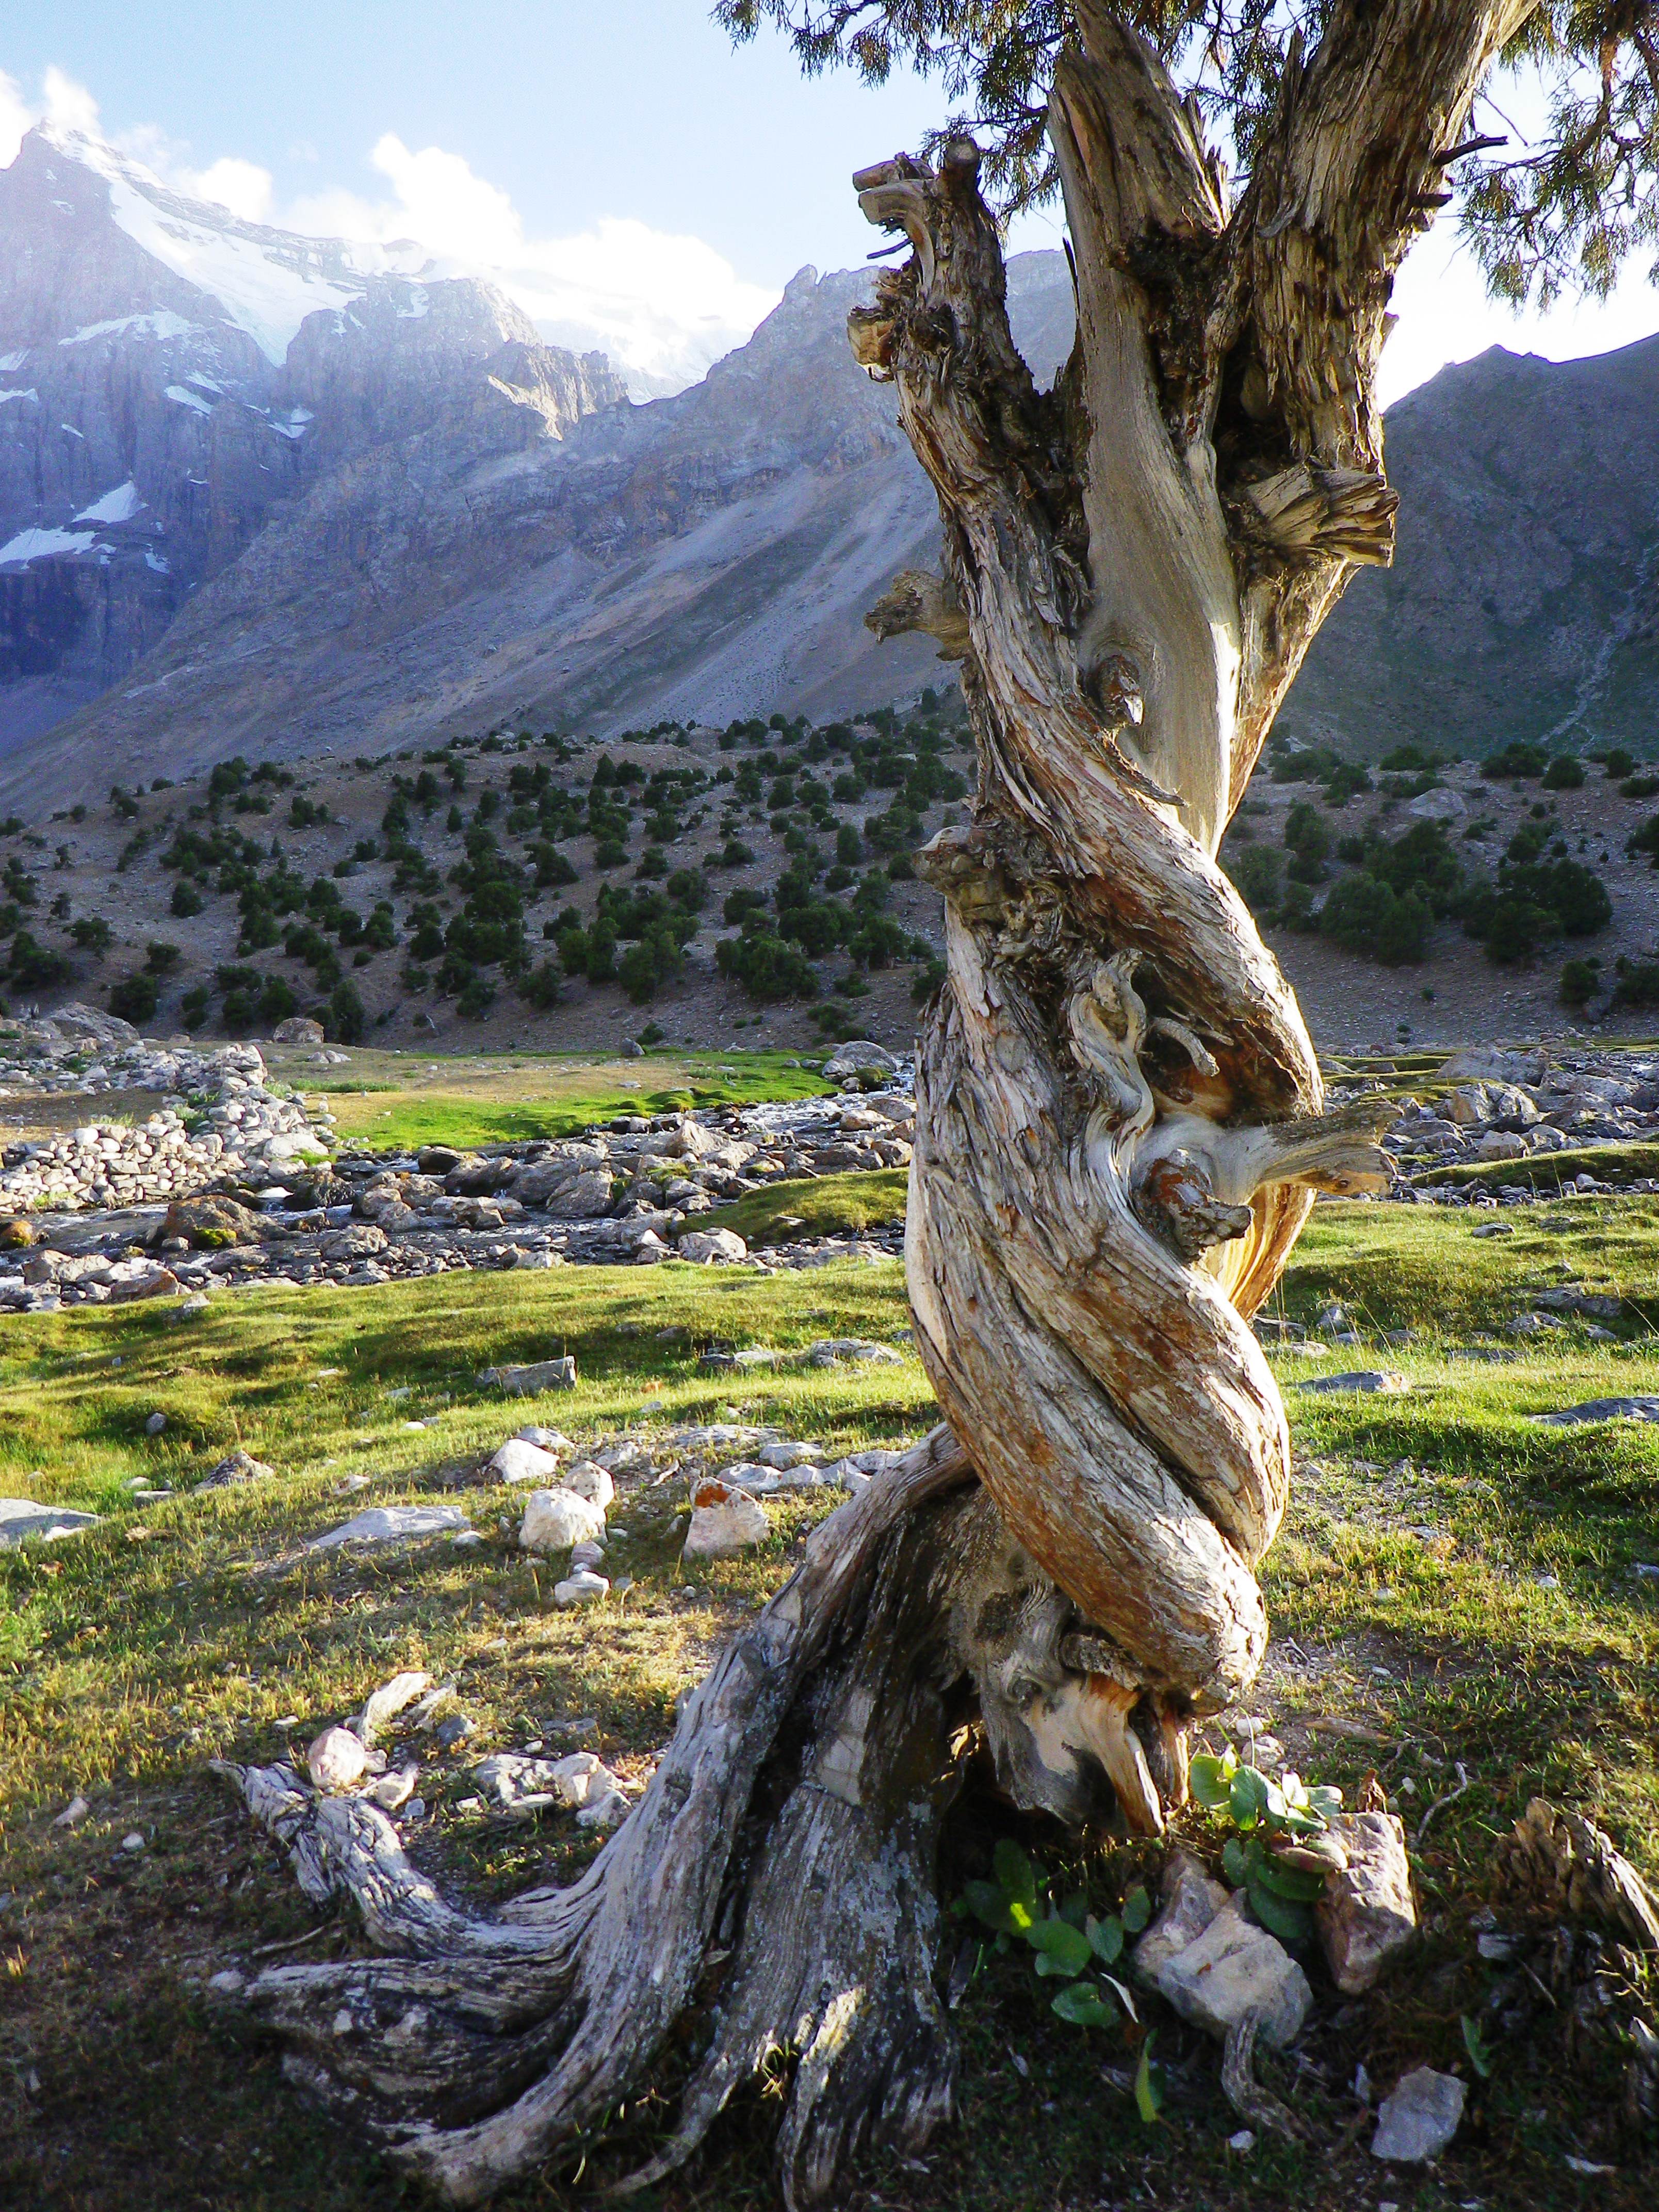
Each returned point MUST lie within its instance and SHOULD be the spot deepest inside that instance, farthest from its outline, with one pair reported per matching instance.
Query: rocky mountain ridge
(175, 380)
(288, 496)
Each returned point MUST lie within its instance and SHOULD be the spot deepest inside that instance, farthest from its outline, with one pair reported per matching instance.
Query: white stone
(1233, 1967)
(789, 1455)
(1191, 1902)
(1419, 2118)
(858, 1052)
(724, 1520)
(392, 1524)
(705, 1246)
(590, 1480)
(583, 1588)
(529, 1382)
(547, 1440)
(73, 1813)
(1366, 1915)
(1384, 1381)
(20, 1518)
(518, 1460)
(556, 1519)
(337, 1759)
(1442, 806)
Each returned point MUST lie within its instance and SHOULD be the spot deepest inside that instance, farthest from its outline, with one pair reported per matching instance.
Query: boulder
(1384, 1381)
(1191, 1902)
(519, 1461)
(1366, 1915)
(585, 1587)
(298, 1029)
(588, 1479)
(22, 1519)
(1603, 1409)
(788, 1454)
(209, 1224)
(1233, 1967)
(1419, 2118)
(529, 1382)
(555, 1520)
(236, 1467)
(856, 1054)
(689, 1140)
(830, 1351)
(549, 1440)
(1488, 1063)
(705, 1246)
(587, 1197)
(1501, 1145)
(358, 1240)
(725, 1520)
(1442, 806)
(337, 1759)
(393, 1524)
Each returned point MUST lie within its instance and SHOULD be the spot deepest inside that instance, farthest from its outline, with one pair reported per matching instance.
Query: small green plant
(1071, 1944)
(1280, 1849)
(1481, 2054)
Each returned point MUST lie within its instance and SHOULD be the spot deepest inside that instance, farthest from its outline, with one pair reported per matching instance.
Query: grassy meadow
(397, 1098)
(1453, 1580)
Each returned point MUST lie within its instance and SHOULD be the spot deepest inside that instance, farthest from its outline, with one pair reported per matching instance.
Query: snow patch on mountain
(162, 324)
(118, 506)
(42, 544)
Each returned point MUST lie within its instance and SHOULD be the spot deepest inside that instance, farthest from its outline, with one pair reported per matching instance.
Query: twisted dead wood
(1121, 1129)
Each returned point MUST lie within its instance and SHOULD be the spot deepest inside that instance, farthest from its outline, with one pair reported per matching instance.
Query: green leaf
(1324, 1800)
(1208, 1779)
(987, 1902)
(1022, 1917)
(1084, 2007)
(1058, 1939)
(1137, 1910)
(1106, 1936)
(1247, 1798)
(1015, 1872)
(1291, 1923)
(1481, 2051)
(1075, 1908)
(1235, 1860)
(1048, 1968)
(1149, 2086)
(1296, 1884)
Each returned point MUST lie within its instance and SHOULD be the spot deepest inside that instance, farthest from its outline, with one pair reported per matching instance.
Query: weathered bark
(1121, 1129)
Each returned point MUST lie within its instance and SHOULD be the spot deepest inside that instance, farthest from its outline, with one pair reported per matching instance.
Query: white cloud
(68, 105)
(662, 305)
(242, 187)
(16, 117)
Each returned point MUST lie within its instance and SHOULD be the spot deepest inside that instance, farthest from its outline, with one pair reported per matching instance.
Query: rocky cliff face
(1523, 602)
(710, 554)
(279, 495)
(173, 380)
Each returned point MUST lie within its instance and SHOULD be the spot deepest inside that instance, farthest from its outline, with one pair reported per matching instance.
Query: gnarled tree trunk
(1119, 1131)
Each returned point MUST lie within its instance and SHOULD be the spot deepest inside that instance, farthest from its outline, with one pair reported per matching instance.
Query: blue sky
(621, 168)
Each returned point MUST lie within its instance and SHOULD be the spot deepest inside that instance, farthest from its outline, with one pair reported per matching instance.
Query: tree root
(1247, 2096)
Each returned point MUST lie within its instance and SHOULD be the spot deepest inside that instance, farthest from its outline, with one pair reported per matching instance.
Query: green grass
(1404, 1591)
(1636, 1162)
(820, 1205)
(400, 1100)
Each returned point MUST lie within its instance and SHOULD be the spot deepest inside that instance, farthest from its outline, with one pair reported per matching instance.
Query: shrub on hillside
(135, 998)
(1514, 762)
(1578, 981)
(1364, 914)
(1565, 773)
